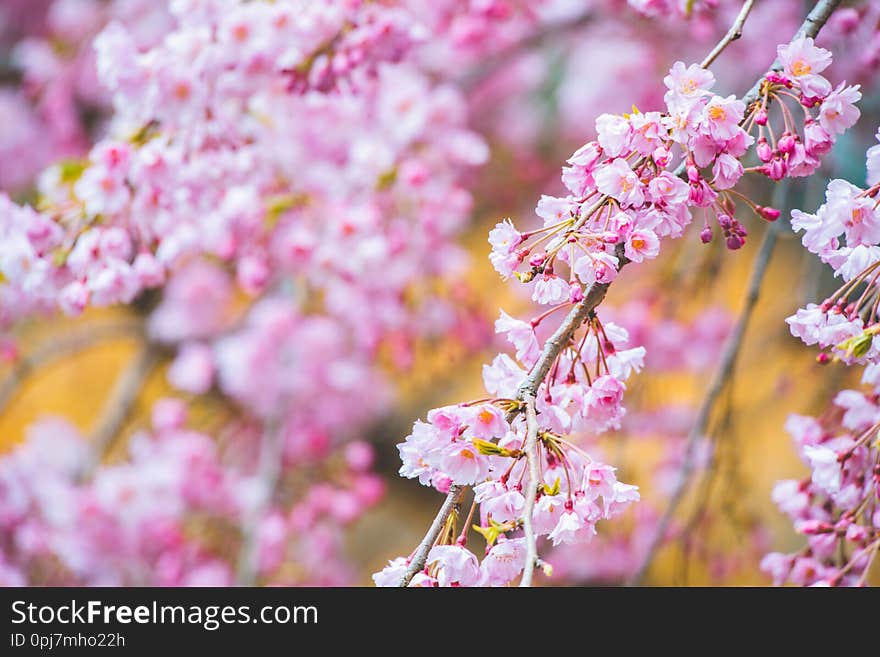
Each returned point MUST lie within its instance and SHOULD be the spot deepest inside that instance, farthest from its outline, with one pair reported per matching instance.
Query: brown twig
(59, 347)
(417, 563)
(531, 450)
(119, 405)
(734, 33)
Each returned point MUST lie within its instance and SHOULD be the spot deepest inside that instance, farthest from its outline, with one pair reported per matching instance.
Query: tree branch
(119, 405)
(59, 347)
(719, 381)
(531, 490)
(529, 387)
(734, 33)
(417, 563)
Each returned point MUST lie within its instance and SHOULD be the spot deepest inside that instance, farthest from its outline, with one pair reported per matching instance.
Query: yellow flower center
(717, 113)
(800, 67)
(468, 454)
(638, 243)
(486, 416)
(625, 185)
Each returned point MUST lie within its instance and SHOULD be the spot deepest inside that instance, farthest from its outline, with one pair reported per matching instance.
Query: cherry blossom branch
(528, 388)
(119, 404)
(575, 318)
(531, 490)
(59, 347)
(734, 33)
(719, 382)
(417, 563)
(268, 476)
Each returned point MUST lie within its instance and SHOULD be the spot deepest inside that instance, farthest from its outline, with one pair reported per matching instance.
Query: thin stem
(531, 491)
(119, 405)
(734, 33)
(417, 563)
(59, 347)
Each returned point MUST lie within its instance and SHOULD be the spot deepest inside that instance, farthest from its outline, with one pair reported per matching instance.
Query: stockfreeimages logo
(210, 617)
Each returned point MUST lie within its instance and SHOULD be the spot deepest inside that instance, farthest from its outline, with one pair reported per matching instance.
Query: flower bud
(770, 214)
(786, 144)
(661, 156)
(765, 153)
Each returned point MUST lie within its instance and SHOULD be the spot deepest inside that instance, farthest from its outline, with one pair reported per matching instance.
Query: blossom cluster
(287, 183)
(845, 233)
(836, 509)
(132, 523)
(622, 201)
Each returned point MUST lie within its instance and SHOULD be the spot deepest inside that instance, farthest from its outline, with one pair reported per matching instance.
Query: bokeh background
(534, 99)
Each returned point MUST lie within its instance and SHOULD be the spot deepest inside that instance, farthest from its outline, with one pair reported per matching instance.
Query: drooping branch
(531, 450)
(534, 40)
(417, 563)
(120, 403)
(734, 33)
(528, 388)
(59, 347)
(720, 380)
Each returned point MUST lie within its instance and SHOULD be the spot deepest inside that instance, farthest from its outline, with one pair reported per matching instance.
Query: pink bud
(441, 482)
(776, 168)
(786, 144)
(706, 235)
(813, 527)
(765, 153)
(770, 214)
(693, 172)
(575, 292)
(661, 156)
(537, 260)
(734, 242)
(761, 117)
